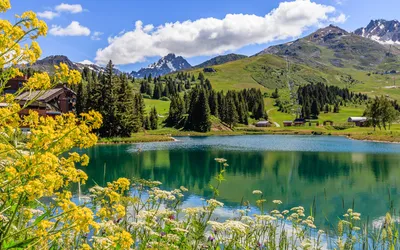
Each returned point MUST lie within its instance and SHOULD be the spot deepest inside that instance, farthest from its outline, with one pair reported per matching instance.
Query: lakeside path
(276, 124)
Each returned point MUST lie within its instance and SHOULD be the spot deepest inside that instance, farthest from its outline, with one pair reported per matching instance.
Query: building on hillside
(50, 102)
(14, 84)
(299, 122)
(209, 70)
(287, 123)
(263, 124)
(358, 121)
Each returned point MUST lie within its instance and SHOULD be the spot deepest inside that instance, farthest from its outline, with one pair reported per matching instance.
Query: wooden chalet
(358, 121)
(50, 102)
(263, 124)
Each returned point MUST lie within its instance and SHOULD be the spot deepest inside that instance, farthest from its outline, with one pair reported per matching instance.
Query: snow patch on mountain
(165, 65)
(382, 31)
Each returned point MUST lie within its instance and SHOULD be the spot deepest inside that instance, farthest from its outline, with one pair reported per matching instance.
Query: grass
(137, 138)
(268, 72)
(162, 107)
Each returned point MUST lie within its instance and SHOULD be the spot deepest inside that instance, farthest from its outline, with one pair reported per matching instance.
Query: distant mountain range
(382, 31)
(220, 60)
(336, 47)
(47, 65)
(165, 65)
(366, 48)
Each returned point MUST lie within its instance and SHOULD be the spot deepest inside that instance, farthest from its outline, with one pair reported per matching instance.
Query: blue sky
(136, 44)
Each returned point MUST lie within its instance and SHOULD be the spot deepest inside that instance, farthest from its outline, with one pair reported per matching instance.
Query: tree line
(194, 110)
(167, 86)
(316, 98)
(113, 96)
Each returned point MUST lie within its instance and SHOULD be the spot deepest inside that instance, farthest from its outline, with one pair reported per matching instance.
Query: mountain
(333, 46)
(165, 65)
(47, 65)
(382, 31)
(220, 60)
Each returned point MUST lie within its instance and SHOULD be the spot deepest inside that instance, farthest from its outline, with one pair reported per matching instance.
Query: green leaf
(21, 244)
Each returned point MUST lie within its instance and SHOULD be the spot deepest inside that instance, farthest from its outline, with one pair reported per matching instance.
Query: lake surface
(328, 174)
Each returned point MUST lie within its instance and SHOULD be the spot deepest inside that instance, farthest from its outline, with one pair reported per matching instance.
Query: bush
(164, 98)
(146, 96)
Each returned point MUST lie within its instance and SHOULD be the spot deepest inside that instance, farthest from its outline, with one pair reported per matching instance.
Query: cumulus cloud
(71, 8)
(48, 14)
(210, 36)
(339, 19)
(74, 29)
(86, 62)
(96, 36)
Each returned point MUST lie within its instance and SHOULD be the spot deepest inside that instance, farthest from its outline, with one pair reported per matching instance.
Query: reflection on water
(320, 172)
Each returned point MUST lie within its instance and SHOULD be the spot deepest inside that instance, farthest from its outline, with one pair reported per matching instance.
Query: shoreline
(171, 137)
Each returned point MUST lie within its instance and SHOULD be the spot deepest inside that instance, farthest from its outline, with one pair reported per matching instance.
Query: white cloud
(340, 2)
(71, 8)
(86, 62)
(210, 36)
(48, 14)
(74, 29)
(339, 19)
(96, 35)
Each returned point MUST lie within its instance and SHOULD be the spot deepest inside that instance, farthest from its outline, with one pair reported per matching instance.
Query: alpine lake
(324, 174)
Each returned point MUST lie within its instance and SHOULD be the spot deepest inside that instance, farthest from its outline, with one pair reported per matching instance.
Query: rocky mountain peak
(382, 31)
(167, 64)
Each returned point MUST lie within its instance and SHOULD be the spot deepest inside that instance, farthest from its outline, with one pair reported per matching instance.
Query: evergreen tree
(201, 77)
(146, 124)
(108, 107)
(213, 103)
(231, 116)
(176, 111)
(199, 111)
(193, 79)
(157, 92)
(153, 119)
(314, 109)
(81, 98)
(275, 94)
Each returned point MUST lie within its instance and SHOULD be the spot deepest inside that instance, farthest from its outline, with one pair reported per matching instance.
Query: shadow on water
(332, 181)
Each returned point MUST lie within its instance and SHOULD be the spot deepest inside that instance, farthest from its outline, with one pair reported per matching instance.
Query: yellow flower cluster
(64, 75)
(12, 52)
(122, 239)
(38, 81)
(4, 5)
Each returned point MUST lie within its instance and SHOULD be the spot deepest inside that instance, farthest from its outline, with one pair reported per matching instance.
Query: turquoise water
(327, 174)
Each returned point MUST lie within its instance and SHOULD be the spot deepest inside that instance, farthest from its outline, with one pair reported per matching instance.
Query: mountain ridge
(165, 65)
(382, 31)
(47, 65)
(218, 60)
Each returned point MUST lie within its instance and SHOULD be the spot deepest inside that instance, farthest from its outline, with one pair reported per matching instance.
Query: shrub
(164, 98)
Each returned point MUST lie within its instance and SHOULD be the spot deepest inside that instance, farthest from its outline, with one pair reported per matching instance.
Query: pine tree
(153, 119)
(157, 91)
(81, 98)
(231, 115)
(126, 109)
(199, 111)
(146, 124)
(314, 109)
(201, 77)
(213, 103)
(108, 106)
(176, 111)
